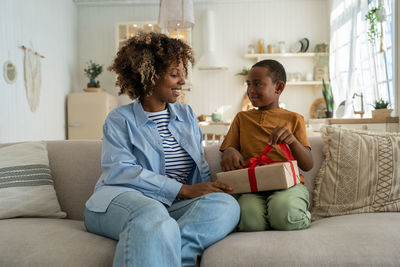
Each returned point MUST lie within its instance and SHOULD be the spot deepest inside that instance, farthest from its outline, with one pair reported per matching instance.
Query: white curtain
(351, 63)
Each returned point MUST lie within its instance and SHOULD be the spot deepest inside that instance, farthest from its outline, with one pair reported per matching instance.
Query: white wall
(51, 28)
(238, 23)
(96, 35)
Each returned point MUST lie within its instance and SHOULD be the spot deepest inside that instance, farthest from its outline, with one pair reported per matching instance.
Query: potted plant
(92, 71)
(374, 16)
(381, 110)
(244, 73)
(328, 96)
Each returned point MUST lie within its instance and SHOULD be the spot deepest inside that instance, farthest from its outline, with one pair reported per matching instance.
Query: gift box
(263, 174)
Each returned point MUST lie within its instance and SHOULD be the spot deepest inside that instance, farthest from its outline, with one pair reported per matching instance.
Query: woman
(154, 194)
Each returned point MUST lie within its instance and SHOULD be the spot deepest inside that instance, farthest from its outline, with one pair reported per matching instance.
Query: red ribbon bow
(263, 160)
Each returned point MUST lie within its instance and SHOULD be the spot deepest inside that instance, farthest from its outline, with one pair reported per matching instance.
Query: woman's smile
(176, 92)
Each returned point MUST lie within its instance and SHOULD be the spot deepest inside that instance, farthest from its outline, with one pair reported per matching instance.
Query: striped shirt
(178, 163)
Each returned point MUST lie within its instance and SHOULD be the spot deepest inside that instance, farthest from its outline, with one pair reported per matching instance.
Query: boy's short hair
(276, 69)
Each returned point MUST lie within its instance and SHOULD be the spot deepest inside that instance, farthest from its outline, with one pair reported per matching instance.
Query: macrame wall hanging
(32, 76)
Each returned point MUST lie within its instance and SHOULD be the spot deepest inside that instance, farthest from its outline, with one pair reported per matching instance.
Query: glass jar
(271, 48)
(251, 49)
(260, 46)
(282, 47)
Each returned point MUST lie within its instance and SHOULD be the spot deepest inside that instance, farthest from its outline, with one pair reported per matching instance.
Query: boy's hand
(281, 134)
(301, 153)
(231, 160)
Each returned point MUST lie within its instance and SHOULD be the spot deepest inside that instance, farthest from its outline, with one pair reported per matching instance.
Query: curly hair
(144, 59)
(276, 69)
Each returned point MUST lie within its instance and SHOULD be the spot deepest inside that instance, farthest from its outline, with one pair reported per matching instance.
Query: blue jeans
(151, 234)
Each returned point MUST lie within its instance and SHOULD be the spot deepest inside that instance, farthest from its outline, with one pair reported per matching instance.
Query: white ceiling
(115, 2)
(156, 2)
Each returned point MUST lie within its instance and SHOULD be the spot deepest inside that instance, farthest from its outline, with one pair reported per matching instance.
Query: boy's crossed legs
(279, 210)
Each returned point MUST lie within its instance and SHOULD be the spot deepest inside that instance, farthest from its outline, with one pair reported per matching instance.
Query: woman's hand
(197, 190)
(231, 160)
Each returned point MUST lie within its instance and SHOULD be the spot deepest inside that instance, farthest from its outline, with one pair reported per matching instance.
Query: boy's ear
(279, 87)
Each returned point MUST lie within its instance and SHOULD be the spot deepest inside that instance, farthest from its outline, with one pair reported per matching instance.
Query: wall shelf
(304, 83)
(284, 55)
(306, 56)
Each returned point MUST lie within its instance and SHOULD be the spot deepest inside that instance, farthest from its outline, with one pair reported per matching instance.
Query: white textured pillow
(26, 186)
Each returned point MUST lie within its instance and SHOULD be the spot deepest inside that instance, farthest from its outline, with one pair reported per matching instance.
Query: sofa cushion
(76, 167)
(26, 185)
(353, 240)
(359, 174)
(41, 242)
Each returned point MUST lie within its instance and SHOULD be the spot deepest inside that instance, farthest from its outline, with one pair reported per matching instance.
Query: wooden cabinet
(87, 113)
(126, 30)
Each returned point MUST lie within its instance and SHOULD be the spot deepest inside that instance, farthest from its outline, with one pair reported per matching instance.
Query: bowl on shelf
(216, 117)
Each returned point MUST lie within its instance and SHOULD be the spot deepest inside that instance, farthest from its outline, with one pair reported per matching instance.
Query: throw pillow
(360, 173)
(26, 186)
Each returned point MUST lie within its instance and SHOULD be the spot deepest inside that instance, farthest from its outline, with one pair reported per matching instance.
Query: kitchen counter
(389, 124)
(363, 120)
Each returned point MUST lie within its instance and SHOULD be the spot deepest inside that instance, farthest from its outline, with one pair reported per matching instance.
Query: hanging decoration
(10, 72)
(32, 76)
(374, 16)
(176, 14)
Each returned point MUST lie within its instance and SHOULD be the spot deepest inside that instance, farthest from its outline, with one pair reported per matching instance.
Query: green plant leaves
(93, 69)
(328, 96)
(372, 18)
(244, 72)
(381, 104)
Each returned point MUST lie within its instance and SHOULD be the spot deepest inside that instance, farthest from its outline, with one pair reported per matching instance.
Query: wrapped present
(263, 174)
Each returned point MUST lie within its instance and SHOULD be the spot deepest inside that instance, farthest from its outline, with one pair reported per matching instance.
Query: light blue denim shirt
(133, 157)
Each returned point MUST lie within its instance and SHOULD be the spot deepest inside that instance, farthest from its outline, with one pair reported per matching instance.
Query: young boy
(248, 136)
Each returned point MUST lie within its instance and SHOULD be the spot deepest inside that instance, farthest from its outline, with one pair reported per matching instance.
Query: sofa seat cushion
(52, 242)
(352, 240)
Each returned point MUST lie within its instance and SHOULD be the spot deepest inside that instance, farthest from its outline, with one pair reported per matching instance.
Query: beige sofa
(353, 240)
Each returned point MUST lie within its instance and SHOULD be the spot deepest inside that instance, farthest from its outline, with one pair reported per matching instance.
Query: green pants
(280, 210)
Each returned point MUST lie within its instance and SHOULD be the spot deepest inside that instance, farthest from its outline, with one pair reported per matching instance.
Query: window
(358, 67)
(129, 29)
(383, 56)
